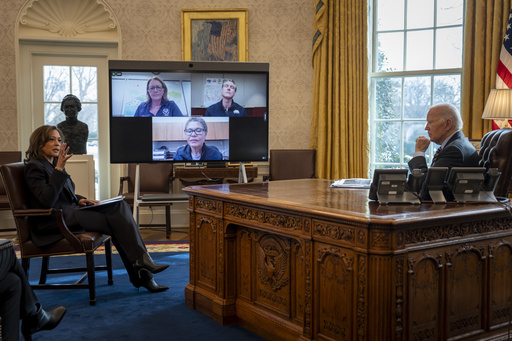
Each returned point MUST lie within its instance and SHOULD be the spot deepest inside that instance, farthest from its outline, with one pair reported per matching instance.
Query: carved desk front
(296, 259)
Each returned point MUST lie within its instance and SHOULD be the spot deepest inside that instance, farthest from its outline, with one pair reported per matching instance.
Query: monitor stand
(242, 175)
(482, 196)
(404, 198)
(437, 196)
(136, 194)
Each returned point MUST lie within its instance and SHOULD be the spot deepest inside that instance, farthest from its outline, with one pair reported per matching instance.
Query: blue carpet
(122, 313)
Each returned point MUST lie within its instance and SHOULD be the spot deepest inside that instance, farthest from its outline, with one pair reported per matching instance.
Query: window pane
(52, 114)
(390, 51)
(420, 50)
(56, 82)
(412, 130)
(388, 147)
(85, 83)
(449, 12)
(390, 15)
(447, 90)
(449, 48)
(416, 97)
(88, 115)
(420, 13)
(388, 99)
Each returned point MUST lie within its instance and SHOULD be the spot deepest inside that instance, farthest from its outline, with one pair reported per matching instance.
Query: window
(416, 63)
(81, 81)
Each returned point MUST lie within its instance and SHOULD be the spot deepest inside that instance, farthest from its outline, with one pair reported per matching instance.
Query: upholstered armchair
(496, 152)
(287, 164)
(83, 243)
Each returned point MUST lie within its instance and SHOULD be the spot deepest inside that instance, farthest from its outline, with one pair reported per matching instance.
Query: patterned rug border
(160, 246)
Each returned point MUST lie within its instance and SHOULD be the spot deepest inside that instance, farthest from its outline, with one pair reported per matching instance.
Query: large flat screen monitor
(177, 111)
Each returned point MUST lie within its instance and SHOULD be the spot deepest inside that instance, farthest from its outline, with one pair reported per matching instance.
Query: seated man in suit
(444, 126)
(18, 301)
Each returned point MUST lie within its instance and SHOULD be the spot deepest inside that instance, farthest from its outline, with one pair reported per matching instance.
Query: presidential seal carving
(272, 263)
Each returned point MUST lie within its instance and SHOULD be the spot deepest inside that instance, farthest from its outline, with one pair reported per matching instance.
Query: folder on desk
(164, 197)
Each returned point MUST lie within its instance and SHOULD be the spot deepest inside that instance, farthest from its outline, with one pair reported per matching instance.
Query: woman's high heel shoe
(146, 263)
(153, 287)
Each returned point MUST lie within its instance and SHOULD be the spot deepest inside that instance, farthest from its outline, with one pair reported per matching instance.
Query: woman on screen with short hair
(157, 103)
(52, 187)
(196, 148)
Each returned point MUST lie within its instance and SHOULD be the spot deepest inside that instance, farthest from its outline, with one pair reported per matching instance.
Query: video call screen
(188, 111)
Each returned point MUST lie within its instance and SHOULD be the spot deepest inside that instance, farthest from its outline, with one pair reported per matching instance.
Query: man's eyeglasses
(198, 131)
(156, 88)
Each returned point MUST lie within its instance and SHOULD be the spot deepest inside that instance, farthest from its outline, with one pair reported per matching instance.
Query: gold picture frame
(227, 26)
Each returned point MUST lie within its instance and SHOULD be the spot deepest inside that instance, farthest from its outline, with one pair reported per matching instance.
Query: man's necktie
(436, 155)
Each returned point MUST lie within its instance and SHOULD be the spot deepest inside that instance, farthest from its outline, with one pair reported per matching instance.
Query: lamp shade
(499, 105)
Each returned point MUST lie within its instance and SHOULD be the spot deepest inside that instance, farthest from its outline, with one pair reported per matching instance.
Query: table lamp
(499, 107)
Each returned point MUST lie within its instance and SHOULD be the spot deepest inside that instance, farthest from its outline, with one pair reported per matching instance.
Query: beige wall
(280, 32)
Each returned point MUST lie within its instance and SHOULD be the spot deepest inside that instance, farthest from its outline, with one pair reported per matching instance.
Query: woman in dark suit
(52, 187)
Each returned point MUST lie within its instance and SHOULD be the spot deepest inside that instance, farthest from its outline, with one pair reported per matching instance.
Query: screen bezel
(436, 178)
(248, 137)
(374, 188)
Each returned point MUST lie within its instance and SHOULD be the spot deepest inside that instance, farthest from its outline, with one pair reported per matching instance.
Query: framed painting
(214, 34)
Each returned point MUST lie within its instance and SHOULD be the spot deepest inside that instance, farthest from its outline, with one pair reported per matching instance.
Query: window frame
(374, 75)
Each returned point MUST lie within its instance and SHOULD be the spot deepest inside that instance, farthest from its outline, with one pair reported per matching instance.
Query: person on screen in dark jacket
(18, 301)
(52, 187)
(444, 125)
(226, 106)
(157, 103)
(196, 148)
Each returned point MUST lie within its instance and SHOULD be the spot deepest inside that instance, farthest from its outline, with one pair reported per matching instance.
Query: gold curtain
(485, 27)
(339, 123)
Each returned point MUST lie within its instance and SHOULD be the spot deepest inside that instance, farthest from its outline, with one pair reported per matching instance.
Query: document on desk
(104, 202)
(5, 243)
(352, 183)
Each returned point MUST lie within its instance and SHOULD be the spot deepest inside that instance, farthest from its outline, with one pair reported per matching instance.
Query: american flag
(504, 73)
(222, 33)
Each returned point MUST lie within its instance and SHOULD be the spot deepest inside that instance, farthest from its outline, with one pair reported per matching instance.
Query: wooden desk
(298, 260)
(186, 174)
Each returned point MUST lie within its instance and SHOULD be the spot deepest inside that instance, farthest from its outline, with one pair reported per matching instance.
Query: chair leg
(44, 269)
(91, 277)
(168, 221)
(108, 258)
(25, 264)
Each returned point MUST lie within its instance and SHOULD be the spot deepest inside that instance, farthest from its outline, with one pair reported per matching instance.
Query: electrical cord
(208, 178)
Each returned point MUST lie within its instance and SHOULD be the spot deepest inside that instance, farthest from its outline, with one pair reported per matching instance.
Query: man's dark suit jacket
(458, 152)
(50, 189)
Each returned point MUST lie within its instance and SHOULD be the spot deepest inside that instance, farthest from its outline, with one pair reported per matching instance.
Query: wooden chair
(155, 178)
(496, 152)
(82, 243)
(7, 157)
(286, 164)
